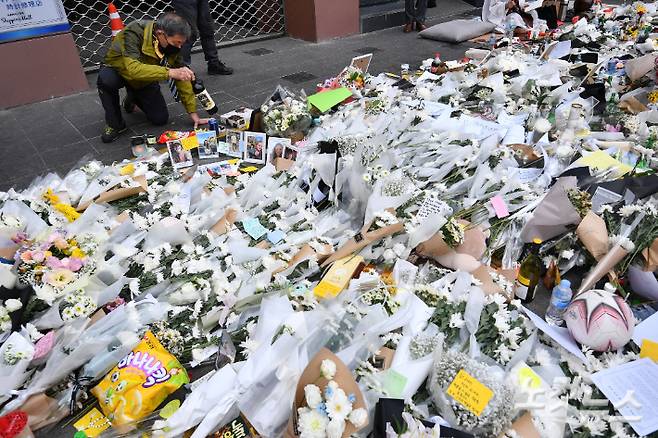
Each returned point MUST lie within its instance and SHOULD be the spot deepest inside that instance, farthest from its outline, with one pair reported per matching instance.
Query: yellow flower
(51, 197)
(47, 254)
(641, 9)
(78, 253)
(68, 211)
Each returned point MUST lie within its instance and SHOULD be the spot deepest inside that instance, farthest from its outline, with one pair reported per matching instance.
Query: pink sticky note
(44, 345)
(499, 206)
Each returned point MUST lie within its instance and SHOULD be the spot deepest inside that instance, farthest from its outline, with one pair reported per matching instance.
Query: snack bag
(140, 382)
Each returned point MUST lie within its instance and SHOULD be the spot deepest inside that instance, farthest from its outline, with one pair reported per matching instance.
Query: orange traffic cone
(115, 20)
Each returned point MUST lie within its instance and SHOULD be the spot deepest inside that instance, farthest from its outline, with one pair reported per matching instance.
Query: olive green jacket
(132, 54)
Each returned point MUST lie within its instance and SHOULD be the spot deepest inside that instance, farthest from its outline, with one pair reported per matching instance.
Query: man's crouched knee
(159, 118)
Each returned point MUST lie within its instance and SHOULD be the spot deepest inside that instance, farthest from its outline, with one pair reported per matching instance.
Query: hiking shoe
(110, 134)
(128, 104)
(219, 68)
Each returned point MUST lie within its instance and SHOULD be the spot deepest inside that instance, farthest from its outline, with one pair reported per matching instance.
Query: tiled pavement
(56, 134)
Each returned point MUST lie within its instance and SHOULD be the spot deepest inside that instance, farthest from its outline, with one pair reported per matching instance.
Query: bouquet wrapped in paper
(286, 115)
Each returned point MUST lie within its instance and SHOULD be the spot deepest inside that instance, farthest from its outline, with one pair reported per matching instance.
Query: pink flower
(72, 263)
(38, 256)
(60, 243)
(54, 263)
(27, 257)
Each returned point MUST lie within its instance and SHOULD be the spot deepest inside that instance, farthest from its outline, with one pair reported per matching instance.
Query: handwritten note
(469, 392)
(190, 142)
(631, 389)
(499, 206)
(394, 383)
(275, 236)
(254, 228)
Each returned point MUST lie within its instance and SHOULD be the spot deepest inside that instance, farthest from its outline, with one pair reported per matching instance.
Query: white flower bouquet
(328, 402)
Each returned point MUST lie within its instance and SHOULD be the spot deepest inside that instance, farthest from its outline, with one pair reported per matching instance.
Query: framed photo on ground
(234, 142)
(207, 144)
(180, 158)
(276, 147)
(254, 147)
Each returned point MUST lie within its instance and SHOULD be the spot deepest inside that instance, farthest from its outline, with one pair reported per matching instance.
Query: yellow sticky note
(93, 423)
(601, 160)
(337, 278)
(249, 169)
(528, 378)
(190, 142)
(649, 349)
(128, 169)
(469, 392)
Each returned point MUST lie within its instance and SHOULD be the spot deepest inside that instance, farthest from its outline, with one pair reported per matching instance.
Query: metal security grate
(235, 20)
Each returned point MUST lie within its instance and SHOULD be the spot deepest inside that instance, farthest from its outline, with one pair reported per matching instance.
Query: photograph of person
(180, 158)
(207, 145)
(233, 139)
(290, 153)
(276, 146)
(254, 151)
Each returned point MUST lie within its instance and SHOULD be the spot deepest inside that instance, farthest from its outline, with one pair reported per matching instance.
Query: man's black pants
(197, 13)
(149, 99)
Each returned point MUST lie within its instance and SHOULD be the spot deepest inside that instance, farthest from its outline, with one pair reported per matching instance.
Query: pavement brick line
(55, 135)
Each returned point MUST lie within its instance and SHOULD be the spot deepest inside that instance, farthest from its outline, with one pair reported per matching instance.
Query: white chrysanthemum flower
(33, 332)
(624, 242)
(338, 405)
(312, 424)
(249, 346)
(456, 321)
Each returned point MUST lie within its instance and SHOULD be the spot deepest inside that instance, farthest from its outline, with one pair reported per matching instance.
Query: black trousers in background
(415, 10)
(149, 99)
(197, 13)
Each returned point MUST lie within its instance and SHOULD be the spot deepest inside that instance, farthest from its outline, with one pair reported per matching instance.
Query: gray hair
(172, 25)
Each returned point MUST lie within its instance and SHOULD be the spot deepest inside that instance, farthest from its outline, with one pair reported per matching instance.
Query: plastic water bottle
(560, 299)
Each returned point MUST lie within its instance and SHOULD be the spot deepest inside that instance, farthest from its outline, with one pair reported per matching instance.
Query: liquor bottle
(436, 64)
(203, 96)
(529, 273)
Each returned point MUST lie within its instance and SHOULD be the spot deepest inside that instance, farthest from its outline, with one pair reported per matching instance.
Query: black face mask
(169, 50)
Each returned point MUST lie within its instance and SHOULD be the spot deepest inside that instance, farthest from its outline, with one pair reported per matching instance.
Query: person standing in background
(197, 13)
(415, 11)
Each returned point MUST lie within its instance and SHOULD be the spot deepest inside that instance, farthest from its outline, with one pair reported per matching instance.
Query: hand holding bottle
(181, 74)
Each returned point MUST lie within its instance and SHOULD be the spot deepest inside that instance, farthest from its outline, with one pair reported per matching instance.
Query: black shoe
(218, 68)
(128, 104)
(110, 134)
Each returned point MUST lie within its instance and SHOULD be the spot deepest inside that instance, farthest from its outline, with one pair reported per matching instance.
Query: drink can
(404, 71)
(213, 125)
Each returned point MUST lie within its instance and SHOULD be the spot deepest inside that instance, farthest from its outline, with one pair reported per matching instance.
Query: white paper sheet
(632, 389)
(560, 334)
(647, 329)
(561, 49)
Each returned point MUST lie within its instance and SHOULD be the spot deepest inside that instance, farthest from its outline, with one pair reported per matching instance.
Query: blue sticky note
(275, 236)
(254, 228)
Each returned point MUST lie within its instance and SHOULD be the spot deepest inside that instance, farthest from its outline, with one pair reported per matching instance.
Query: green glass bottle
(529, 274)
